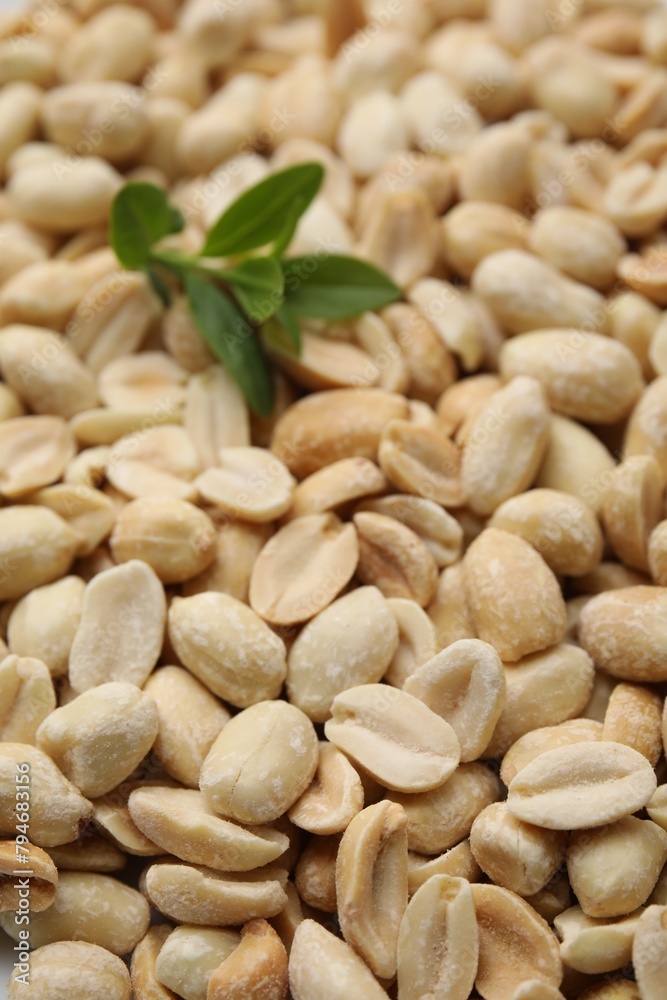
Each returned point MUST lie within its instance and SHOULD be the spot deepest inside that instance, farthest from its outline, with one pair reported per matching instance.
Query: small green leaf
(258, 285)
(258, 216)
(232, 340)
(160, 286)
(140, 216)
(336, 288)
(285, 236)
(290, 325)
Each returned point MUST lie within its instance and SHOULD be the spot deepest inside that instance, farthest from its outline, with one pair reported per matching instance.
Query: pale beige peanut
(421, 461)
(68, 110)
(315, 948)
(430, 364)
(216, 415)
(458, 862)
(228, 647)
(189, 956)
(101, 427)
(462, 320)
(515, 944)
(333, 798)
(90, 907)
(465, 685)
(40, 881)
(137, 479)
(237, 545)
(324, 363)
(635, 198)
(474, 229)
(250, 483)
(623, 632)
(375, 337)
(10, 404)
(173, 537)
(526, 293)
(537, 989)
(254, 783)
(325, 427)
(439, 530)
(315, 873)
(450, 610)
(326, 552)
(632, 507)
(416, 640)
(36, 547)
(27, 698)
(505, 445)
(557, 228)
(257, 968)
(290, 917)
(33, 61)
(643, 433)
(634, 717)
(81, 196)
(645, 273)
(349, 643)
(145, 984)
(34, 452)
(614, 869)
(189, 720)
(112, 817)
(89, 512)
(337, 484)
(120, 633)
(581, 785)
(555, 898)
(43, 294)
(372, 884)
(649, 951)
(576, 462)
(44, 371)
(78, 735)
(90, 853)
(114, 44)
(393, 558)
(20, 106)
(180, 822)
(584, 375)
(634, 323)
(137, 382)
(657, 552)
(373, 128)
(441, 818)
(428, 99)
(72, 970)
(515, 855)
(514, 597)
(197, 895)
(164, 448)
(595, 946)
(394, 736)
(537, 741)
(184, 342)
(400, 238)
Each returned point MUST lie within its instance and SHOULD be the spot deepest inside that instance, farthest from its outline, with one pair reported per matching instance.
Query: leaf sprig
(241, 280)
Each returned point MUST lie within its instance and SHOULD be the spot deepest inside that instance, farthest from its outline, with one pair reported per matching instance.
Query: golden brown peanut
(457, 863)
(335, 485)
(515, 855)
(505, 445)
(465, 685)
(554, 232)
(227, 647)
(70, 197)
(325, 427)
(256, 970)
(142, 969)
(90, 853)
(36, 547)
(237, 545)
(315, 950)
(537, 741)
(78, 735)
(34, 452)
(441, 818)
(349, 643)
(251, 483)
(561, 527)
(438, 943)
(189, 720)
(326, 552)
(335, 796)
(75, 969)
(189, 956)
(517, 606)
(89, 907)
(394, 559)
(395, 737)
(576, 462)
(595, 946)
(372, 884)
(614, 869)
(257, 784)
(196, 895)
(26, 696)
(632, 507)
(526, 293)
(584, 375)
(581, 785)
(120, 634)
(39, 885)
(44, 371)
(315, 873)
(622, 630)
(634, 717)
(515, 943)
(175, 538)
(180, 822)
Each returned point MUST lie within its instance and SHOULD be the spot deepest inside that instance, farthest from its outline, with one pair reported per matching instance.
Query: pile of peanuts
(364, 699)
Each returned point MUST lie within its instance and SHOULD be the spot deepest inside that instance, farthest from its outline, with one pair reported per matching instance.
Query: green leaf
(258, 216)
(258, 285)
(285, 236)
(160, 286)
(290, 324)
(140, 216)
(232, 340)
(336, 288)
